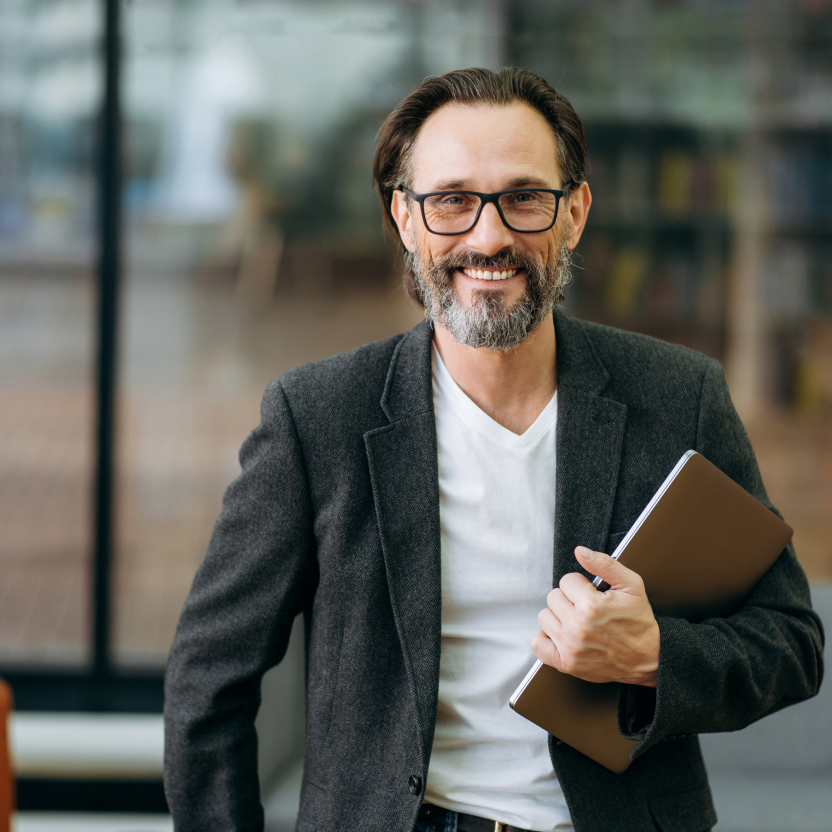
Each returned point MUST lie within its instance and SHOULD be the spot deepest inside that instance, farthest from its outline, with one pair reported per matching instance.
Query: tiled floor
(193, 371)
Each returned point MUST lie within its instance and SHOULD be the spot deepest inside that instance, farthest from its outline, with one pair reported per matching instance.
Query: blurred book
(703, 185)
(633, 182)
(627, 278)
(787, 281)
(727, 176)
(676, 169)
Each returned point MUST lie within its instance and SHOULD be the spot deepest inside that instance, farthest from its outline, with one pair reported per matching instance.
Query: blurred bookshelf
(709, 127)
(662, 246)
(658, 242)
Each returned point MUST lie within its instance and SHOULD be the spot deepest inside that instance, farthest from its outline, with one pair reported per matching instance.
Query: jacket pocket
(688, 811)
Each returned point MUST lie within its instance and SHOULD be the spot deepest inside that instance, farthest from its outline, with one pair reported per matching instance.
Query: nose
(490, 235)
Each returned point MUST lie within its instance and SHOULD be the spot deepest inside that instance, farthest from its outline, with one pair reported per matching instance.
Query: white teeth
(481, 274)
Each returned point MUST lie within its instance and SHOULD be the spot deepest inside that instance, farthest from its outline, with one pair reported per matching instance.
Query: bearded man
(416, 499)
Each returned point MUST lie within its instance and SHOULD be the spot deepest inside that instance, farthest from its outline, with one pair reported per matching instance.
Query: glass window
(49, 93)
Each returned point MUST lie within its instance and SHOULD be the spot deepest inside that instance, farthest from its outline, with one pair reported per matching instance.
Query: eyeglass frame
(485, 199)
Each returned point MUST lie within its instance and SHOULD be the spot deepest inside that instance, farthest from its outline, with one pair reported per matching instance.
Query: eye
(457, 202)
(526, 197)
(452, 200)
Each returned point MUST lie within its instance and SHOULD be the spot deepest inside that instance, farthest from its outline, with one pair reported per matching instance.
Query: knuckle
(585, 610)
(582, 629)
(580, 632)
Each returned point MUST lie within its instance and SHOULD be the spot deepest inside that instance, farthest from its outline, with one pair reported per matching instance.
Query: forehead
(485, 148)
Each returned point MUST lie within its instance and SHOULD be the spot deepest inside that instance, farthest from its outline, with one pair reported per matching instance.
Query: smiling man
(417, 499)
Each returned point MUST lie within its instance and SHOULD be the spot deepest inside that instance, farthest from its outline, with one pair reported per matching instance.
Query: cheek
(552, 248)
(433, 250)
(545, 248)
(440, 246)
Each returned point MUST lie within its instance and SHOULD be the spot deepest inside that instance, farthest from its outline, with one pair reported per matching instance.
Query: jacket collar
(409, 386)
(579, 366)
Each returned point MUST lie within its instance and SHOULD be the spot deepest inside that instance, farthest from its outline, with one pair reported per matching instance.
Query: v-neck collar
(476, 416)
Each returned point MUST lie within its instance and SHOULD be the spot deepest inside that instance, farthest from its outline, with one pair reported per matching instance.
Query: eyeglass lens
(455, 213)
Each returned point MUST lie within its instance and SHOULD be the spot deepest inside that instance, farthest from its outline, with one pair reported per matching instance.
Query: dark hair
(397, 136)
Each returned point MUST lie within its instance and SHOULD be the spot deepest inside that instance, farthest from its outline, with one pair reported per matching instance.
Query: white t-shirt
(497, 514)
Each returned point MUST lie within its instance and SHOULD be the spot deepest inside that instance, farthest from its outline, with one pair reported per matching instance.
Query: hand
(598, 636)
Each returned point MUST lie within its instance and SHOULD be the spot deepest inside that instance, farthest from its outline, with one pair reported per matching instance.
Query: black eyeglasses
(527, 210)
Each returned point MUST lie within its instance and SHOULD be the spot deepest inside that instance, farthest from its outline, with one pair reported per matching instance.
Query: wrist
(648, 671)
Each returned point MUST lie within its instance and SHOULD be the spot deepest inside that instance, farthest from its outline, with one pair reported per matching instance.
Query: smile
(482, 274)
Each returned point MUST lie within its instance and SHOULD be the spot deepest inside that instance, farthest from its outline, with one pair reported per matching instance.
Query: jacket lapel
(405, 481)
(589, 441)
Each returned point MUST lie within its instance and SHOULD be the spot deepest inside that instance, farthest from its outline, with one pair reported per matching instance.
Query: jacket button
(414, 784)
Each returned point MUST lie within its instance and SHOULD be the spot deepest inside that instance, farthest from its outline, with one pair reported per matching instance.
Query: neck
(511, 387)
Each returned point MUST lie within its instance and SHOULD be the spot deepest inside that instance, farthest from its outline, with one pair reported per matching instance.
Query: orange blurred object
(7, 789)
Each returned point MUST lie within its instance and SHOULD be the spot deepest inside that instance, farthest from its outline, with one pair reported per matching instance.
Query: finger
(614, 573)
(576, 587)
(550, 624)
(559, 602)
(545, 649)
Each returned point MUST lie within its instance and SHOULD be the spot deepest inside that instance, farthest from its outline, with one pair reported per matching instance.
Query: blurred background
(229, 145)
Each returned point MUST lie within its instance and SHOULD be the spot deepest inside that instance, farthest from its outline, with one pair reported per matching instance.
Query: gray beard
(489, 322)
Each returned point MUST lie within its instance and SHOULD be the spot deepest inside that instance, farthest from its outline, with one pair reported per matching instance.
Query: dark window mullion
(109, 274)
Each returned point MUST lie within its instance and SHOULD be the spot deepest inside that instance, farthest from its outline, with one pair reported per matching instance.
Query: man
(415, 499)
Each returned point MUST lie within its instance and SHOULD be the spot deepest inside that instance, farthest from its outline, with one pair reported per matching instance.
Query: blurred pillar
(109, 271)
(746, 359)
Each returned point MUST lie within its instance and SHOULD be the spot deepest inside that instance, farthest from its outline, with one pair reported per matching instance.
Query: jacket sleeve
(259, 573)
(725, 673)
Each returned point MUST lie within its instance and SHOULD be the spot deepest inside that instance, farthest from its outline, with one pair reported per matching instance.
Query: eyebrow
(518, 182)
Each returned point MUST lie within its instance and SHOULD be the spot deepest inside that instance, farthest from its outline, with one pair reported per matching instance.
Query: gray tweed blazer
(336, 515)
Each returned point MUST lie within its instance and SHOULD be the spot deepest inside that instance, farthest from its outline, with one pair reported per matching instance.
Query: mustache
(475, 260)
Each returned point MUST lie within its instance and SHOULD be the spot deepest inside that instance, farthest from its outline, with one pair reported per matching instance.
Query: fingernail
(587, 553)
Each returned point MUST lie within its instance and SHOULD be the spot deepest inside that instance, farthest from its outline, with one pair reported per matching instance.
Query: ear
(404, 219)
(579, 201)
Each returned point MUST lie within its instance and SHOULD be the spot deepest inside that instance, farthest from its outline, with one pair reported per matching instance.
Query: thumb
(614, 574)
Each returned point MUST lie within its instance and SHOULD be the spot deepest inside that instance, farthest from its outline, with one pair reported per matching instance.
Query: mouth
(491, 275)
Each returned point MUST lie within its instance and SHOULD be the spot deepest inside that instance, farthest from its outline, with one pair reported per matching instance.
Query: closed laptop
(700, 545)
